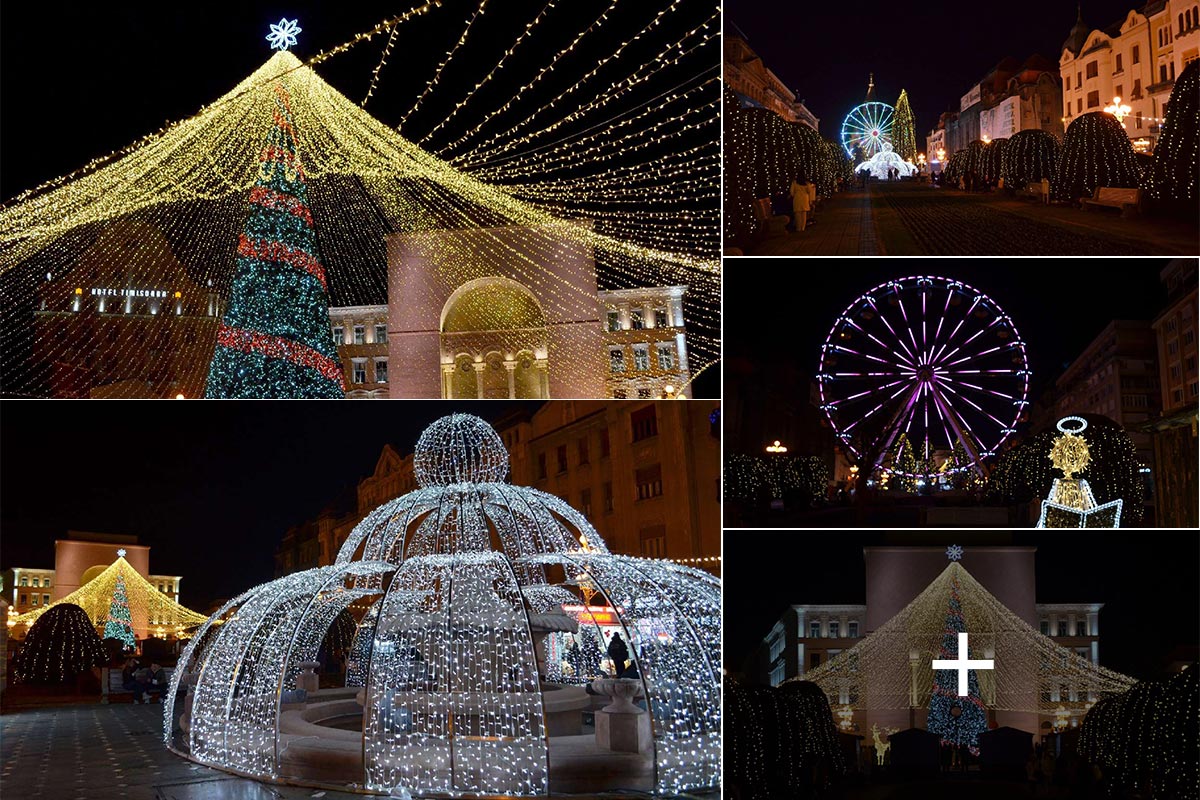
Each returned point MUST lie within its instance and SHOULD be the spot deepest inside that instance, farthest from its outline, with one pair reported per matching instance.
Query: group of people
(145, 682)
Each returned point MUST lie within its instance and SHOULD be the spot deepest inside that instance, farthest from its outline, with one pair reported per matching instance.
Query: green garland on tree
(275, 339)
(904, 131)
(119, 623)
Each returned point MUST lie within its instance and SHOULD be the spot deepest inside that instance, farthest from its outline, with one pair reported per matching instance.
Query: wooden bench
(1129, 201)
(768, 223)
(111, 685)
(1039, 190)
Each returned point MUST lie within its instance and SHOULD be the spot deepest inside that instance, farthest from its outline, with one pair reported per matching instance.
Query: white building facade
(1136, 60)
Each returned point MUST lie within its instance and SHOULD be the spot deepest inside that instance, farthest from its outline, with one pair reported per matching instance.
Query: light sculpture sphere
(460, 448)
(481, 611)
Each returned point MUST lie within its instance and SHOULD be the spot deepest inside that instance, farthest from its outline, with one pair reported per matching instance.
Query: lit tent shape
(454, 583)
(1031, 672)
(365, 182)
(148, 607)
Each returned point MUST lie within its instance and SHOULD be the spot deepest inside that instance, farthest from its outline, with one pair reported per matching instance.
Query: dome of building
(482, 611)
(1079, 33)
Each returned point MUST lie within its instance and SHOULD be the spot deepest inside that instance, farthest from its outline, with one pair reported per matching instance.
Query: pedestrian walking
(619, 653)
(801, 205)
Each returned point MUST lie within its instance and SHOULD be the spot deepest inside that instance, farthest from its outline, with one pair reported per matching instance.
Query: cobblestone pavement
(116, 752)
(915, 219)
(945, 223)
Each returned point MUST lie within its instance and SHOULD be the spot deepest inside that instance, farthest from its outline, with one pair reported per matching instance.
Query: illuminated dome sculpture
(884, 160)
(472, 598)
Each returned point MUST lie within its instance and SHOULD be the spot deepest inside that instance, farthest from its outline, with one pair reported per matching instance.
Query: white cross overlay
(963, 664)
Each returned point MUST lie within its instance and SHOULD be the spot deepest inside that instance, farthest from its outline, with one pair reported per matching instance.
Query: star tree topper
(121, 553)
(283, 35)
(954, 552)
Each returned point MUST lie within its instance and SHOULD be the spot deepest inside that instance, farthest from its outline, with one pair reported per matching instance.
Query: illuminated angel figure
(283, 35)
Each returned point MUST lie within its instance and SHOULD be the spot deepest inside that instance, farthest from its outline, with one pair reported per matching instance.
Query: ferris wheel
(927, 362)
(867, 127)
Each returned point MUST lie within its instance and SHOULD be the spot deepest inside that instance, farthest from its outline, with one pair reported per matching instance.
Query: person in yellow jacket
(801, 204)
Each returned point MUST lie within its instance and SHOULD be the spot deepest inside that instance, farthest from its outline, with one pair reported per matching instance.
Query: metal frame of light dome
(235, 722)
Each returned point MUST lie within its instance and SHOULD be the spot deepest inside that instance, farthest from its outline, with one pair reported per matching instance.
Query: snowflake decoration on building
(283, 35)
(121, 553)
(954, 552)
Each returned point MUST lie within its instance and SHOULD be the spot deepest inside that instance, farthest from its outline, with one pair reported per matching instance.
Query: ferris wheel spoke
(957, 327)
(878, 407)
(966, 435)
(889, 350)
(899, 340)
(975, 405)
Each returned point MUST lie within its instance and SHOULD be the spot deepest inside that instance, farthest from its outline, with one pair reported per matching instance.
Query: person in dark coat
(130, 683)
(619, 653)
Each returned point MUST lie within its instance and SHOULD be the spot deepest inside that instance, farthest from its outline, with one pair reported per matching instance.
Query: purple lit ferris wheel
(927, 362)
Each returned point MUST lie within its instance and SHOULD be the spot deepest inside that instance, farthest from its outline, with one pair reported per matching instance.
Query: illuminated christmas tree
(118, 625)
(904, 132)
(905, 464)
(1177, 154)
(958, 720)
(275, 339)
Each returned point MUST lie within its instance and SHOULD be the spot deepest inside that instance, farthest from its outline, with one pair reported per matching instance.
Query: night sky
(211, 487)
(935, 49)
(1147, 583)
(82, 79)
(1058, 305)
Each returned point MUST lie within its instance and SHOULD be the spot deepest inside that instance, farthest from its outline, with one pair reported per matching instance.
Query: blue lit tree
(958, 720)
(118, 625)
(275, 339)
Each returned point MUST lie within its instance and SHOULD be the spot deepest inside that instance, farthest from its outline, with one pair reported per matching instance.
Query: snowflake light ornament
(954, 552)
(283, 35)
(121, 553)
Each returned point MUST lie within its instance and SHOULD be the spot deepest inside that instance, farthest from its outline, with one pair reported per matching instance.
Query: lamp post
(1118, 110)
(776, 447)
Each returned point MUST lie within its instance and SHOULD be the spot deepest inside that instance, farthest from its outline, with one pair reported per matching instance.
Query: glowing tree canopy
(464, 583)
(904, 131)
(1030, 156)
(1173, 175)
(61, 645)
(119, 622)
(929, 359)
(147, 606)
(275, 339)
(1095, 153)
(579, 176)
(763, 155)
(1148, 732)
(880, 164)
(957, 719)
(1033, 673)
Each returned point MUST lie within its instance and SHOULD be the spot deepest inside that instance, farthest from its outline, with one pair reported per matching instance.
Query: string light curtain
(1096, 152)
(451, 576)
(62, 644)
(1173, 174)
(151, 231)
(148, 607)
(1030, 156)
(889, 669)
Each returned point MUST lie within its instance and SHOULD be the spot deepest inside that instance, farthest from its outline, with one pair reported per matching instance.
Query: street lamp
(987, 139)
(669, 392)
(776, 447)
(1118, 110)
(941, 153)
